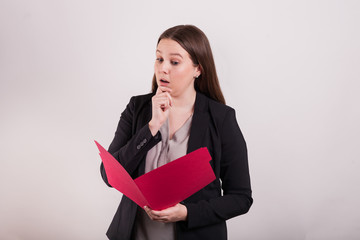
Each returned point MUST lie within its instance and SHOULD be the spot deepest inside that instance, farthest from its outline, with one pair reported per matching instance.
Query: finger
(164, 96)
(148, 212)
(158, 218)
(163, 104)
(155, 216)
(164, 89)
(161, 97)
(158, 90)
(163, 214)
(169, 97)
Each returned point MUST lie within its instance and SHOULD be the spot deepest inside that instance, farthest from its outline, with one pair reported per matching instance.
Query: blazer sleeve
(235, 178)
(130, 145)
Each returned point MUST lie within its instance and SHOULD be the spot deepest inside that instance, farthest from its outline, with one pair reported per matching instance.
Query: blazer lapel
(199, 123)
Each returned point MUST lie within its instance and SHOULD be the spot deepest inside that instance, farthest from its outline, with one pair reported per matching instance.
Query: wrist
(184, 212)
(154, 128)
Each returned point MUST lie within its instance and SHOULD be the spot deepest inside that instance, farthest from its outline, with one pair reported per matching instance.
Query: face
(174, 68)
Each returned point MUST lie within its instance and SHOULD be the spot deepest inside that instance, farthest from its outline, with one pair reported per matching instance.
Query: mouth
(164, 82)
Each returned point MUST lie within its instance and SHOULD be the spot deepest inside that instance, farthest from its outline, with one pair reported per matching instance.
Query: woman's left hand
(172, 214)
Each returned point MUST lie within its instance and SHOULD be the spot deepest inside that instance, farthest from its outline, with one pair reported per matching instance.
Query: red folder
(165, 186)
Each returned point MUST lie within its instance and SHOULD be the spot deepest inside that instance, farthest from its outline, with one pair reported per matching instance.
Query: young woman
(185, 111)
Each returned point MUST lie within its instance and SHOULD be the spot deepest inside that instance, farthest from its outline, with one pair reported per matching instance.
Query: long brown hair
(195, 42)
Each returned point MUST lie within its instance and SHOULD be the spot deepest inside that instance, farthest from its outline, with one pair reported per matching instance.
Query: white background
(290, 69)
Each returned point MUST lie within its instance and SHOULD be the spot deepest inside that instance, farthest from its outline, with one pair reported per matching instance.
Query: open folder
(165, 186)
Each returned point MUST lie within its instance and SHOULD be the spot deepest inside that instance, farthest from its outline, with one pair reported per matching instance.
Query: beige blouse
(164, 152)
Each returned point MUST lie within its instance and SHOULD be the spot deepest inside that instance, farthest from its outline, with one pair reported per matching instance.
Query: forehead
(169, 47)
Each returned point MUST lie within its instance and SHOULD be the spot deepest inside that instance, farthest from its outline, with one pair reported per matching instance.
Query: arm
(235, 178)
(234, 174)
(127, 147)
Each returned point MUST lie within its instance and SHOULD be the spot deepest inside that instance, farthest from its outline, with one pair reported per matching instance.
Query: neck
(185, 101)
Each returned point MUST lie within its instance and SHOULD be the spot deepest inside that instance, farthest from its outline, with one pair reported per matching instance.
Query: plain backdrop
(291, 69)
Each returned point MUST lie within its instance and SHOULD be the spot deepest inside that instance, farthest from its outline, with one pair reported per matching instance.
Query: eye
(174, 63)
(159, 59)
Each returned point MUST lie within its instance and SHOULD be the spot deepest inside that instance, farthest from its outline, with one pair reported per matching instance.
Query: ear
(197, 72)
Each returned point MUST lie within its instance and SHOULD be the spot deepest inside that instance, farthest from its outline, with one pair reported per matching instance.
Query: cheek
(183, 71)
(155, 67)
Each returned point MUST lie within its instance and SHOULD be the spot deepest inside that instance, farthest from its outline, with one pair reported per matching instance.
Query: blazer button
(138, 147)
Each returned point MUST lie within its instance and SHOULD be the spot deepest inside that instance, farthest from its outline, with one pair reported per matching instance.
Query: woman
(185, 111)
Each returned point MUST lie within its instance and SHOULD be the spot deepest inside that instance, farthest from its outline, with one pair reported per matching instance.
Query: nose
(164, 67)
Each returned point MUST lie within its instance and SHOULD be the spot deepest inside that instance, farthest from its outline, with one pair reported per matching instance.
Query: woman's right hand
(161, 103)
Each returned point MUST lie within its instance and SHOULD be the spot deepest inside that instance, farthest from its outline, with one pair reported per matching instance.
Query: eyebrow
(172, 54)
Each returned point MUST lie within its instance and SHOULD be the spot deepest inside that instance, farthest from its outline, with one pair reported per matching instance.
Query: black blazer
(214, 126)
